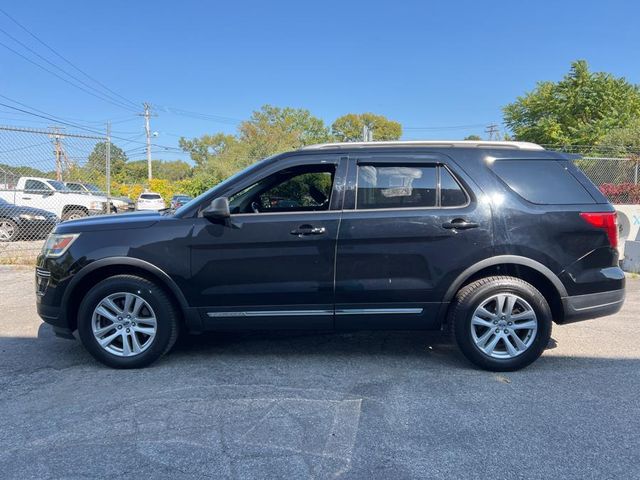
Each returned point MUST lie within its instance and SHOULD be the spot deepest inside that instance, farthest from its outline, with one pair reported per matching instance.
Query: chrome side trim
(270, 313)
(377, 311)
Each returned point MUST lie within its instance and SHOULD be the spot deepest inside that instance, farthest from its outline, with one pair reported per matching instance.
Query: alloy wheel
(504, 326)
(7, 230)
(124, 324)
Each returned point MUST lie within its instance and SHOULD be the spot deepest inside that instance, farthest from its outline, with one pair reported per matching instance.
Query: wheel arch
(524, 268)
(99, 270)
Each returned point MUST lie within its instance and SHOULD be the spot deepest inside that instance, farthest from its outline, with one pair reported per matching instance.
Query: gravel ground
(317, 405)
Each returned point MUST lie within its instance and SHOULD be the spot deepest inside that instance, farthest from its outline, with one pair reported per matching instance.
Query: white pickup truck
(55, 197)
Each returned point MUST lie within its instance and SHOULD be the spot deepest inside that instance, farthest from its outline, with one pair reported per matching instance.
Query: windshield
(199, 198)
(92, 188)
(59, 186)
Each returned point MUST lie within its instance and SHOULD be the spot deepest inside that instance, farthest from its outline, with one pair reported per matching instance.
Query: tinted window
(451, 193)
(61, 187)
(36, 185)
(396, 186)
(148, 196)
(542, 181)
(301, 189)
(74, 187)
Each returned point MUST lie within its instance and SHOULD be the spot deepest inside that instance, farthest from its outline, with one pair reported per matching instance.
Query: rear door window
(544, 182)
(407, 186)
(396, 186)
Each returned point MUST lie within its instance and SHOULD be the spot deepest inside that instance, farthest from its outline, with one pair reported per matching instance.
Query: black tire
(74, 214)
(165, 313)
(13, 230)
(470, 297)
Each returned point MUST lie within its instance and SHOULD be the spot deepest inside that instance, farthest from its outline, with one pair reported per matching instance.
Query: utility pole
(147, 128)
(367, 133)
(491, 130)
(108, 166)
(57, 151)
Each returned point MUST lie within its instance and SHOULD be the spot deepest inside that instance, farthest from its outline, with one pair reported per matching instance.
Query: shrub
(621, 192)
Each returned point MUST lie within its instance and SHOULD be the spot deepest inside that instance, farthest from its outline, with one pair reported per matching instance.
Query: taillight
(608, 221)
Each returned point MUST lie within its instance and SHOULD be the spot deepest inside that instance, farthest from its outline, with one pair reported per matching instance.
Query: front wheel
(74, 215)
(501, 323)
(9, 230)
(127, 322)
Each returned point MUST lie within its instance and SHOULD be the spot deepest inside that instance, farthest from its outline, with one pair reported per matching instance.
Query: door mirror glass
(218, 210)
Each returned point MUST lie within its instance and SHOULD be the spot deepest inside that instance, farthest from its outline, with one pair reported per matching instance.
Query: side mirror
(218, 210)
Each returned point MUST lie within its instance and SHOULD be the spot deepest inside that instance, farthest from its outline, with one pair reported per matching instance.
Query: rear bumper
(592, 305)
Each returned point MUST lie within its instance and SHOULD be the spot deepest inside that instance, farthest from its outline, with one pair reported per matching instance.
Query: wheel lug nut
(497, 330)
(133, 324)
(510, 323)
(495, 322)
(119, 327)
(503, 317)
(120, 318)
(128, 330)
(506, 330)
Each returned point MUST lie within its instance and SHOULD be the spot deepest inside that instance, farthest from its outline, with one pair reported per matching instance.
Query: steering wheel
(255, 207)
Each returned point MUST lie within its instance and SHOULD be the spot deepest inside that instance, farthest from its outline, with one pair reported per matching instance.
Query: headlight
(57, 245)
(97, 205)
(26, 216)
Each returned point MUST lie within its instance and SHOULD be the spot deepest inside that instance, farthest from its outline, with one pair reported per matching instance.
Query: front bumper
(592, 305)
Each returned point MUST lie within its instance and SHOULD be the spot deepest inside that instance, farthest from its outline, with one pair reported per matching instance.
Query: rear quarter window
(544, 182)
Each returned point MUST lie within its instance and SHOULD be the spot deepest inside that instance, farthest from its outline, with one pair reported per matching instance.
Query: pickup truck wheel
(501, 323)
(74, 215)
(127, 322)
(9, 230)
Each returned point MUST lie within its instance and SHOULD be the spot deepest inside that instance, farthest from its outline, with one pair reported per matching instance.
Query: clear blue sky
(423, 63)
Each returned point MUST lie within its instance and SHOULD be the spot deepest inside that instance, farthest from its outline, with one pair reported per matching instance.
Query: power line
(62, 78)
(106, 97)
(449, 127)
(55, 52)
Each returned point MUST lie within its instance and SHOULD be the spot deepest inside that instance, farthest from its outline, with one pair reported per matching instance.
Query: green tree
(96, 162)
(580, 109)
(473, 137)
(348, 128)
(273, 129)
(268, 131)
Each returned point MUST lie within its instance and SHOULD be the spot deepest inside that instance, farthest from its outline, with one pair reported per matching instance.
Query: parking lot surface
(318, 405)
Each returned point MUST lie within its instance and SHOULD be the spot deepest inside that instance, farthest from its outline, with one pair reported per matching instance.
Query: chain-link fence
(52, 175)
(48, 176)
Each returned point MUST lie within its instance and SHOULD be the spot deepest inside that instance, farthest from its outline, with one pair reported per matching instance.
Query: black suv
(494, 240)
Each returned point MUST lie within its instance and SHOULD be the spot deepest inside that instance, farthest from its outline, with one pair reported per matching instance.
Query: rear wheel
(501, 323)
(127, 322)
(9, 230)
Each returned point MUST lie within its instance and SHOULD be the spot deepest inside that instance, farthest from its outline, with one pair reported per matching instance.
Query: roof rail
(429, 143)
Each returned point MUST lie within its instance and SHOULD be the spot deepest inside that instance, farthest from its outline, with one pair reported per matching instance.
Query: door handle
(459, 224)
(304, 230)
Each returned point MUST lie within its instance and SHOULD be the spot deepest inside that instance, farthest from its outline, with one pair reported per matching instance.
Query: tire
(525, 314)
(74, 215)
(100, 308)
(9, 230)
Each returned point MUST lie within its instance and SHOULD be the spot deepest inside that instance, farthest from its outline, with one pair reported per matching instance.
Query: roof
(428, 143)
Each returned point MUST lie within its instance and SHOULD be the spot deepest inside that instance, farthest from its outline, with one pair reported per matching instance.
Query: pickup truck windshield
(58, 186)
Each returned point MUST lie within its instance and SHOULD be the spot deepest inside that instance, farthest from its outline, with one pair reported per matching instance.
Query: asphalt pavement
(381, 405)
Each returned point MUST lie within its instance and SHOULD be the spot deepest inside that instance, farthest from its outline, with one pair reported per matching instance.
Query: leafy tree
(204, 149)
(348, 128)
(578, 110)
(473, 137)
(273, 129)
(268, 131)
(96, 162)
